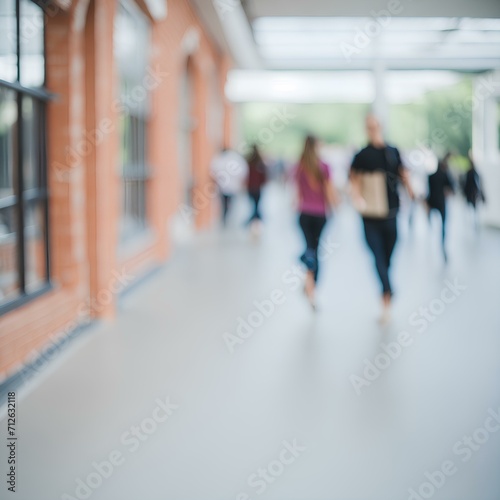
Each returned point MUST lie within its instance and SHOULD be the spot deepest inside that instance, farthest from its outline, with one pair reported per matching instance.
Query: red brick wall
(84, 204)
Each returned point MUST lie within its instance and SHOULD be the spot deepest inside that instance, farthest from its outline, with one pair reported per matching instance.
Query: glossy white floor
(290, 380)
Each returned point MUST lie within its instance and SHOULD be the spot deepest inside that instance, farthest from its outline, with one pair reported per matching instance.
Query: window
(131, 47)
(498, 125)
(24, 257)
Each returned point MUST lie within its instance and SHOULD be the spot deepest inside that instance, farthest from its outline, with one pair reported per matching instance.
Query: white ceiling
(345, 43)
(461, 35)
(364, 8)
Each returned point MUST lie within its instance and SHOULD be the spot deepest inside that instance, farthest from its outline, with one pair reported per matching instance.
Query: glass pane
(131, 43)
(125, 142)
(31, 156)
(9, 279)
(8, 55)
(8, 142)
(498, 125)
(133, 208)
(32, 44)
(35, 249)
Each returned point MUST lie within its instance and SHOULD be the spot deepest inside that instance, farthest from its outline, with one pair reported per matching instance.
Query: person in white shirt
(229, 170)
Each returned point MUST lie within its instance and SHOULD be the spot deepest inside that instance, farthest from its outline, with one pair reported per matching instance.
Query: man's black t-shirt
(387, 160)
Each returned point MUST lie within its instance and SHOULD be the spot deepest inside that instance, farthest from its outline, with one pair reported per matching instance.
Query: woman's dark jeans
(255, 197)
(312, 226)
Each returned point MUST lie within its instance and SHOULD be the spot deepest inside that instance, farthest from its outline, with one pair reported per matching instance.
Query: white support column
(485, 144)
(380, 101)
(237, 138)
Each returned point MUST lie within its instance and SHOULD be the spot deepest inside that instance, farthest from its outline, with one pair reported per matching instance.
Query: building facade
(110, 112)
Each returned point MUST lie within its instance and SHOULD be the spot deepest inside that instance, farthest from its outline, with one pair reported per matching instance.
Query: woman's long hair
(310, 163)
(255, 158)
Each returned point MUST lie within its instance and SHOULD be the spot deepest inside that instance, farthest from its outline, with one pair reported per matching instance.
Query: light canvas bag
(374, 191)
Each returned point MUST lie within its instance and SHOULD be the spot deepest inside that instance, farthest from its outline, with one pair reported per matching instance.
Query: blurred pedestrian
(316, 196)
(376, 173)
(440, 186)
(473, 189)
(229, 170)
(257, 177)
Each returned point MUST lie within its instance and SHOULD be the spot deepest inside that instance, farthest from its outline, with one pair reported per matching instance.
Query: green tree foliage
(441, 119)
(330, 122)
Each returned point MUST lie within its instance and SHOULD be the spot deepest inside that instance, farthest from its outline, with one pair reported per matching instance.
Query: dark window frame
(39, 194)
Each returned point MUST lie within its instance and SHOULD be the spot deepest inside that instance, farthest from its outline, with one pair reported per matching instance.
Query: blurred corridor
(290, 379)
(150, 350)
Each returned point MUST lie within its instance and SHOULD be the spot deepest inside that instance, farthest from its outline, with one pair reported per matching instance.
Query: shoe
(385, 317)
(311, 299)
(314, 307)
(255, 229)
(309, 289)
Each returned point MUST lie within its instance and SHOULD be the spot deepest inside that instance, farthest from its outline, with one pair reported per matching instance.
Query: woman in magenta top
(317, 196)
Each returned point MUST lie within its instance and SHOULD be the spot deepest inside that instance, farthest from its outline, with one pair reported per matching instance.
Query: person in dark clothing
(380, 231)
(257, 177)
(440, 185)
(473, 190)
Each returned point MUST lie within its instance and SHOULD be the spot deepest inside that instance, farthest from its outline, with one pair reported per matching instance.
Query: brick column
(201, 148)
(103, 178)
(225, 66)
(160, 194)
(66, 157)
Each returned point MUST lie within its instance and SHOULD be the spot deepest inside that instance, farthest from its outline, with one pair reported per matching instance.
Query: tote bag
(374, 192)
